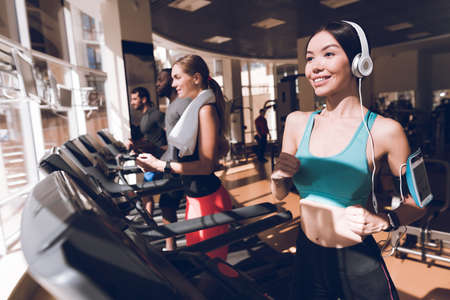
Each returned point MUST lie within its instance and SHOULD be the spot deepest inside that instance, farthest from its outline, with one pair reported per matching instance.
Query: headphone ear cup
(362, 66)
(365, 66)
(355, 66)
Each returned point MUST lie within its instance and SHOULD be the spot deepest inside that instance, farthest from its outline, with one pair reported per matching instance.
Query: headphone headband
(362, 38)
(362, 64)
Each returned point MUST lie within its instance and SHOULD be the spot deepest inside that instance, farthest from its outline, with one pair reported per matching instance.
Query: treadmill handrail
(105, 136)
(240, 233)
(110, 187)
(226, 217)
(116, 147)
(159, 186)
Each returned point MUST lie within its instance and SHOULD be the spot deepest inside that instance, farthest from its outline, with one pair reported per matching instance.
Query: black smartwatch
(167, 168)
(394, 222)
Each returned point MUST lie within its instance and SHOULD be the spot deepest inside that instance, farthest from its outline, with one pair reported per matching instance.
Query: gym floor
(248, 184)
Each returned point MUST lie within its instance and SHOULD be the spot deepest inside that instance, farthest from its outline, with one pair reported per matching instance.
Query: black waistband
(200, 185)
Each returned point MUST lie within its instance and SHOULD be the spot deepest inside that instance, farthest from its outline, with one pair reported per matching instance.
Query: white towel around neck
(184, 134)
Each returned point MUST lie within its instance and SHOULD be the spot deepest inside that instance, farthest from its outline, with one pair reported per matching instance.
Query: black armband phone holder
(417, 179)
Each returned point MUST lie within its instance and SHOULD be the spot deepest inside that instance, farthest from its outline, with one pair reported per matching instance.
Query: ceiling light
(269, 23)
(189, 5)
(218, 39)
(399, 26)
(337, 3)
(418, 35)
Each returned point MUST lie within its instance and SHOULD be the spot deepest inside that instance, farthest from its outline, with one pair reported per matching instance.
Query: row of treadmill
(85, 234)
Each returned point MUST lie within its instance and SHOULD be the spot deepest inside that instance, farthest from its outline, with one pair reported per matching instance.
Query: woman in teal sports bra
(327, 155)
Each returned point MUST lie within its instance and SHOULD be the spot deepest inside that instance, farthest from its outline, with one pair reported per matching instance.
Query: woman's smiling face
(327, 66)
(185, 84)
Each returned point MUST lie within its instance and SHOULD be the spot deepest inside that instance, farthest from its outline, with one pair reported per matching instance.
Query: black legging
(356, 272)
(261, 147)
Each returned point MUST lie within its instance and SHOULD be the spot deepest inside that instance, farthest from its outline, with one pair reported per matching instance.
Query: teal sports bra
(340, 180)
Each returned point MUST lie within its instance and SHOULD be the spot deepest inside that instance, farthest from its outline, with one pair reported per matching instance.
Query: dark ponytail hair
(192, 64)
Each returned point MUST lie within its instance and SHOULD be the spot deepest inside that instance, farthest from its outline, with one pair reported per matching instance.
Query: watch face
(167, 168)
(393, 220)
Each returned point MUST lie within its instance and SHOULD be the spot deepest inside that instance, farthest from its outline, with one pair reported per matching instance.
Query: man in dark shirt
(262, 130)
(150, 137)
(169, 202)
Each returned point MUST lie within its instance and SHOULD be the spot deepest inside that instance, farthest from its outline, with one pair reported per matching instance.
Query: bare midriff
(326, 225)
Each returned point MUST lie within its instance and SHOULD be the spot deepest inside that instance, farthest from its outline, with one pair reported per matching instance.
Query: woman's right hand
(285, 167)
(148, 163)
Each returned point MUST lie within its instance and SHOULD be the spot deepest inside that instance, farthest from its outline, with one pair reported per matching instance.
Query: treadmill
(115, 146)
(91, 181)
(77, 251)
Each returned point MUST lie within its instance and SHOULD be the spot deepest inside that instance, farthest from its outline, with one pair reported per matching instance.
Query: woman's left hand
(147, 162)
(363, 222)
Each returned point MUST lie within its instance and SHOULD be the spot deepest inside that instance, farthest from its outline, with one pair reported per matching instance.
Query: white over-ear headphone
(362, 64)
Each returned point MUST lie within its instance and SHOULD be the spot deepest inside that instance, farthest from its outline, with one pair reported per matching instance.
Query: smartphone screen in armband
(417, 179)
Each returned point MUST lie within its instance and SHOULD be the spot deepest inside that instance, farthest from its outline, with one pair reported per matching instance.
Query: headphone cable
(401, 184)
(374, 199)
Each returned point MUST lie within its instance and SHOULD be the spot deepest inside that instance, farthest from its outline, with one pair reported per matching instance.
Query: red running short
(202, 206)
